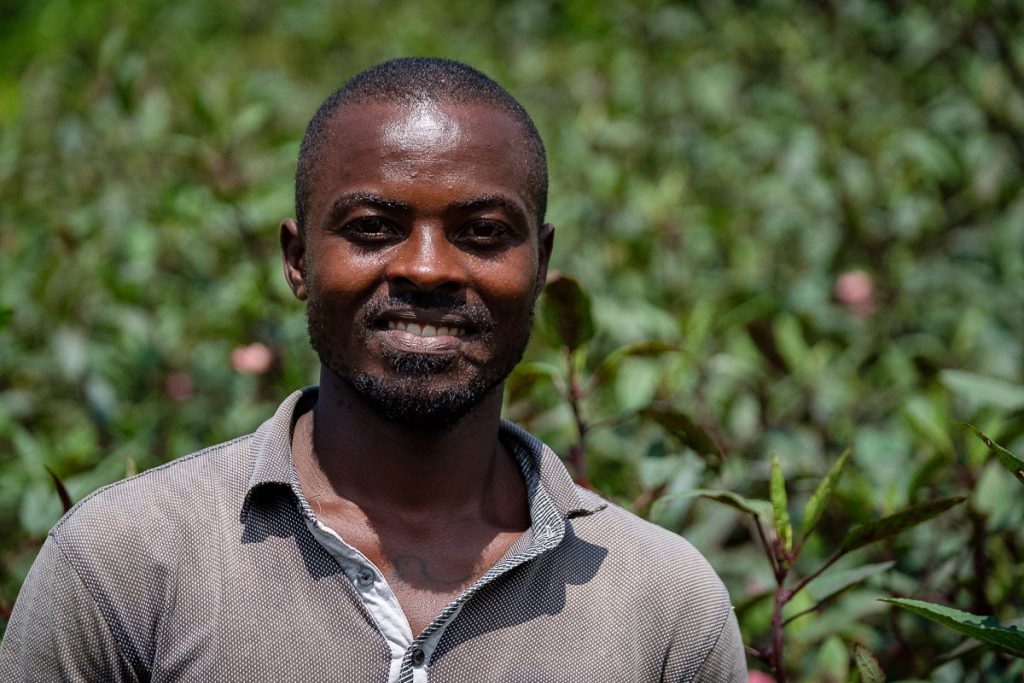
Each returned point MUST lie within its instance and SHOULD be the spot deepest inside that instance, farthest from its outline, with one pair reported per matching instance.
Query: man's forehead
(425, 123)
(430, 138)
(418, 121)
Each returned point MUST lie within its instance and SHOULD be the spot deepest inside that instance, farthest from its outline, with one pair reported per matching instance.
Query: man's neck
(346, 449)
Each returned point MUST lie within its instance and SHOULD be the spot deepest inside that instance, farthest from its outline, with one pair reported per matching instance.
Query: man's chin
(413, 405)
(424, 365)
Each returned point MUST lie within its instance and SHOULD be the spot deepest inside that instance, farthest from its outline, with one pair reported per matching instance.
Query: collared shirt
(214, 567)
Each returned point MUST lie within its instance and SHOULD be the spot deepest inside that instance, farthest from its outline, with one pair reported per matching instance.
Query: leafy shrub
(801, 225)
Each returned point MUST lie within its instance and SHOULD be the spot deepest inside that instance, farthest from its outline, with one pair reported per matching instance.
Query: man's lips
(425, 331)
(414, 339)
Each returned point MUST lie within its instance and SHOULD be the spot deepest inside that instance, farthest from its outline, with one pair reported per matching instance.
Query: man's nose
(427, 261)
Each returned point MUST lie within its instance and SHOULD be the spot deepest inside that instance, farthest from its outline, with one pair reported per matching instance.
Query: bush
(804, 221)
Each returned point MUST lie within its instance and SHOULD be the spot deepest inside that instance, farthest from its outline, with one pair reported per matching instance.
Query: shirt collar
(540, 462)
(547, 480)
(271, 449)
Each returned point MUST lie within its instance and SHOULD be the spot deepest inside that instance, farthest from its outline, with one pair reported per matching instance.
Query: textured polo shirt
(214, 567)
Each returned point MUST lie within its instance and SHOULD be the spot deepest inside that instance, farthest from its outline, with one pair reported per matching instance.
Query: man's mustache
(476, 315)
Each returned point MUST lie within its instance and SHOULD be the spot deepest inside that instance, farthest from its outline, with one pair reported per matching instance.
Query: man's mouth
(426, 330)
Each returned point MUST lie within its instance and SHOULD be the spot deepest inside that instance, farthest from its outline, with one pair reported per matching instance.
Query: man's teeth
(425, 330)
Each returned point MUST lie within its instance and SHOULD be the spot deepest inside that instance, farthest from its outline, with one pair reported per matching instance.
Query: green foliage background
(716, 166)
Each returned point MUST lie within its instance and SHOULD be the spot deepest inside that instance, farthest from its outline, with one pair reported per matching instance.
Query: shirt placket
(373, 591)
(415, 664)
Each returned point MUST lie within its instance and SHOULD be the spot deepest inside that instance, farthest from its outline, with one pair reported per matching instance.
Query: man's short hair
(410, 81)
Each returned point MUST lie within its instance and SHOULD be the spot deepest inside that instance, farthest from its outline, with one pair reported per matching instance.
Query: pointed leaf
(780, 509)
(62, 492)
(648, 349)
(682, 427)
(526, 376)
(1010, 461)
(532, 372)
(822, 495)
(834, 582)
(867, 665)
(868, 533)
(980, 390)
(755, 507)
(1006, 638)
(567, 310)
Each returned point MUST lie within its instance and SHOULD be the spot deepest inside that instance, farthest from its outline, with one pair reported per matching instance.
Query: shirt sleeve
(56, 631)
(727, 660)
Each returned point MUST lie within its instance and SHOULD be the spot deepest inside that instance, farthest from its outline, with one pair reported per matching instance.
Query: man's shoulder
(194, 492)
(626, 533)
(657, 581)
(650, 556)
(165, 496)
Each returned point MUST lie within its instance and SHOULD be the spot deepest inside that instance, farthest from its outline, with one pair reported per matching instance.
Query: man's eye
(485, 231)
(370, 228)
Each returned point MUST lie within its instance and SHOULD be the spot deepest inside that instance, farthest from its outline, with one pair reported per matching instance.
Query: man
(386, 526)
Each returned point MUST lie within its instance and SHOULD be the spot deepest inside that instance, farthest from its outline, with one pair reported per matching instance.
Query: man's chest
(425, 571)
(276, 622)
(280, 605)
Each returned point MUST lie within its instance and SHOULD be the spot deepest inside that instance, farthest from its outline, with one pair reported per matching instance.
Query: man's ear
(545, 242)
(293, 253)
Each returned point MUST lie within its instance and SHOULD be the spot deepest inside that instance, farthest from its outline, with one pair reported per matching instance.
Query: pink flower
(754, 676)
(856, 291)
(253, 359)
(179, 386)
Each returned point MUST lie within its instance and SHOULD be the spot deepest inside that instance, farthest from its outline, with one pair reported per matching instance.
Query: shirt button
(364, 577)
(418, 657)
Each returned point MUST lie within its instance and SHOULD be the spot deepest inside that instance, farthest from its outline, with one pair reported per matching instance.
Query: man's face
(422, 257)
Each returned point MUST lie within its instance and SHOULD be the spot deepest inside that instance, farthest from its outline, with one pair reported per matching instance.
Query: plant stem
(815, 574)
(780, 600)
(979, 560)
(780, 571)
(574, 396)
(768, 550)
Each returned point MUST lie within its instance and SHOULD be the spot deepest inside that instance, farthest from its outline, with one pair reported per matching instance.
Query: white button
(364, 577)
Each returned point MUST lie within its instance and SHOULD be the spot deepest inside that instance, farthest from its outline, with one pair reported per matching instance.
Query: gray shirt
(214, 567)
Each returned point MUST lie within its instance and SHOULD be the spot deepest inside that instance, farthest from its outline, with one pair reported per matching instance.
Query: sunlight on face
(425, 126)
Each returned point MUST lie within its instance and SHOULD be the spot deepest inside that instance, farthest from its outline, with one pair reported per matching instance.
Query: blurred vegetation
(806, 218)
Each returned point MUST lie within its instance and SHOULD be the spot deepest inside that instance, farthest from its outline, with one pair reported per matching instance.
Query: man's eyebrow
(490, 201)
(354, 199)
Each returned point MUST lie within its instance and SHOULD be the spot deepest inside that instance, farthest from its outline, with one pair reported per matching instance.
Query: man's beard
(411, 395)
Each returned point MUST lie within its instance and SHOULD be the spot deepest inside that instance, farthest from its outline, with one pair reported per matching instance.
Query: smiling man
(386, 525)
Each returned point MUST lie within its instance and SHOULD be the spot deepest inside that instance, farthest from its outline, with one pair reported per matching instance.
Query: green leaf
(1006, 638)
(526, 376)
(755, 507)
(635, 385)
(1010, 461)
(789, 340)
(567, 310)
(833, 582)
(681, 426)
(867, 665)
(780, 510)
(648, 349)
(868, 533)
(981, 390)
(815, 507)
(833, 660)
(929, 421)
(530, 373)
